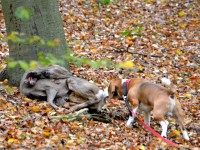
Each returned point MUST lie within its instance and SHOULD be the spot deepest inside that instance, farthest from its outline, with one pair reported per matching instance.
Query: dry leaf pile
(160, 38)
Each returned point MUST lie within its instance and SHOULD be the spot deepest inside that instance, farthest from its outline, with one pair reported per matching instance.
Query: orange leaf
(46, 133)
(182, 25)
(35, 109)
(175, 133)
(27, 99)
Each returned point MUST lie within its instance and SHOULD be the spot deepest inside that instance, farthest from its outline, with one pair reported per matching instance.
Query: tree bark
(45, 22)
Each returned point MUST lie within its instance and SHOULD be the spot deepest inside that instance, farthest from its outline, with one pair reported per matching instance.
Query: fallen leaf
(175, 133)
(35, 109)
(46, 133)
(12, 140)
(188, 95)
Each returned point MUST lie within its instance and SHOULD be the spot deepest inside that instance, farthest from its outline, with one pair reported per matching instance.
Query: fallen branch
(145, 55)
(78, 115)
(136, 53)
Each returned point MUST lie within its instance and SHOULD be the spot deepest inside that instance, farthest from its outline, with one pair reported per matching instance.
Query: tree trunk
(45, 22)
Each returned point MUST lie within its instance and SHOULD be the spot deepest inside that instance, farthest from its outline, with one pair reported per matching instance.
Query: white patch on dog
(164, 125)
(166, 81)
(124, 80)
(129, 122)
(105, 92)
(100, 94)
(185, 135)
(131, 118)
(101, 99)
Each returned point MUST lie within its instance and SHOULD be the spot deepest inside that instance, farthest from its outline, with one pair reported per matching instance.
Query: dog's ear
(111, 89)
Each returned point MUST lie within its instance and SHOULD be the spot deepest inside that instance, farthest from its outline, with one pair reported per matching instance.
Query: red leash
(154, 132)
(144, 124)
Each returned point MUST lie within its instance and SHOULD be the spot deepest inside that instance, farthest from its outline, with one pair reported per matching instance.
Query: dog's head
(115, 89)
(31, 79)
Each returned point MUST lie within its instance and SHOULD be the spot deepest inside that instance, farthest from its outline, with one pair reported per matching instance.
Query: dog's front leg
(51, 94)
(90, 102)
(147, 118)
(164, 125)
(131, 118)
(134, 104)
(178, 114)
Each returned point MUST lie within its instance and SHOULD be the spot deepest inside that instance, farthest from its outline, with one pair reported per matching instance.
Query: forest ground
(160, 37)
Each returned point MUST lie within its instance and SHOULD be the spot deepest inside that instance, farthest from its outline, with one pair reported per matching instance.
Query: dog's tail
(169, 84)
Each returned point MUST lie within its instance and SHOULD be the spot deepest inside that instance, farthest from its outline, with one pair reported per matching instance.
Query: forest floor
(161, 38)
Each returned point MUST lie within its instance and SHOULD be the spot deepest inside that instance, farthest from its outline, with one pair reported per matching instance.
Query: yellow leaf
(107, 19)
(175, 133)
(64, 135)
(182, 25)
(172, 122)
(140, 68)
(70, 141)
(94, 50)
(127, 64)
(12, 140)
(35, 108)
(181, 14)
(141, 147)
(128, 38)
(188, 95)
(80, 140)
(179, 52)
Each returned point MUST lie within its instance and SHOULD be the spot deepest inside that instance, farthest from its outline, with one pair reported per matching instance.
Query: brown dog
(149, 97)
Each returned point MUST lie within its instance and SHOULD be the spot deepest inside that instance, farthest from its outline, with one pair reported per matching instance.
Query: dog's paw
(129, 122)
(54, 106)
(185, 135)
(164, 135)
(129, 125)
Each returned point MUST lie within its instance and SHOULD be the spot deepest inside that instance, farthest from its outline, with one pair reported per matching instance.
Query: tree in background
(40, 22)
